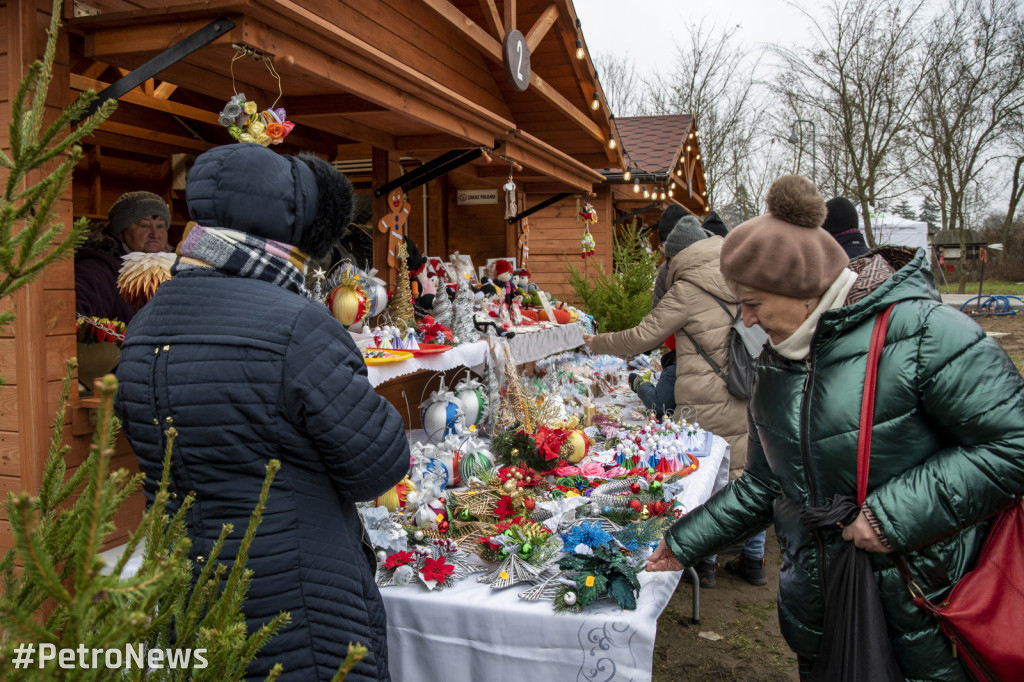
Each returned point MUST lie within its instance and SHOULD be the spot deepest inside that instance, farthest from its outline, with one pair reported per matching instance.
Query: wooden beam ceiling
(493, 19)
(540, 27)
(318, 105)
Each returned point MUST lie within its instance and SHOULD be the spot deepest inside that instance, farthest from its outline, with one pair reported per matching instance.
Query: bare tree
(619, 82)
(712, 79)
(974, 89)
(858, 81)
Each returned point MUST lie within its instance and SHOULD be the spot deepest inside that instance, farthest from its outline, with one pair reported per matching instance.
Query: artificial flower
(436, 569)
(238, 99)
(275, 130)
(399, 559)
(256, 128)
(567, 471)
(250, 108)
(549, 441)
(263, 139)
(246, 137)
(592, 469)
(589, 534)
(234, 131)
(279, 114)
(226, 120)
(504, 507)
(288, 126)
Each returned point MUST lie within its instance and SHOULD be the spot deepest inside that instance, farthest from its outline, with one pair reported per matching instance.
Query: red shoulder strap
(867, 404)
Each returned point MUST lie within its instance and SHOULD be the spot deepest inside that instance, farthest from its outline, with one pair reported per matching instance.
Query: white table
(474, 633)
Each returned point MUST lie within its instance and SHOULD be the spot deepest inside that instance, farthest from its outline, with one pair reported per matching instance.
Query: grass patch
(758, 608)
(995, 286)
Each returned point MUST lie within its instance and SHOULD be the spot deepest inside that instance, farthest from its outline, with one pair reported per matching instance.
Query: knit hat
(713, 224)
(132, 206)
(686, 232)
(785, 252)
(502, 267)
(841, 216)
(298, 200)
(669, 217)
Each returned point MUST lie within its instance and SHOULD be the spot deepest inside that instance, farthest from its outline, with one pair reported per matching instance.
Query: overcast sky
(647, 30)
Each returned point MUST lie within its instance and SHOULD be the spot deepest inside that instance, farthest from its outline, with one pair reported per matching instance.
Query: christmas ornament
(475, 462)
(349, 303)
(575, 447)
(588, 245)
(462, 324)
(141, 274)
(377, 295)
(440, 415)
(401, 302)
(393, 225)
(470, 395)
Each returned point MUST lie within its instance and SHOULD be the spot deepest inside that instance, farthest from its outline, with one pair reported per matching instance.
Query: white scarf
(797, 346)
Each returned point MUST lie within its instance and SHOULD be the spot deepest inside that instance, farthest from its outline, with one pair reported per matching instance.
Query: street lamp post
(794, 138)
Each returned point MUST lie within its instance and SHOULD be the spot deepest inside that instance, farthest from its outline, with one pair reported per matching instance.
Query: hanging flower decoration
(246, 123)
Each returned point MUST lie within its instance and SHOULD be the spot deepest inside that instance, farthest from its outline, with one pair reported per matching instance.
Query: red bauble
(634, 488)
(635, 505)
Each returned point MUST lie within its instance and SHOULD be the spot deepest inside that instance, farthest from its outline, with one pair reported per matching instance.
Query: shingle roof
(652, 142)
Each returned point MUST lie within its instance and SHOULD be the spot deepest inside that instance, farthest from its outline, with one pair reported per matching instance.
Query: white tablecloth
(470, 355)
(474, 633)
(537, 345)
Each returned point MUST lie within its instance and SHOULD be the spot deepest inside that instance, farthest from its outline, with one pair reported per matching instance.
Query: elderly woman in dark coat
(947, 449)
(248, 369)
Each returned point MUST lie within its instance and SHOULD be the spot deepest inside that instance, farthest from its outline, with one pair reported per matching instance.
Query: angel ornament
(393, 224)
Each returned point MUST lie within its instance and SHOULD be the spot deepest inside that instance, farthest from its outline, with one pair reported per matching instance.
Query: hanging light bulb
(662, 193)
(679, 172)
(595, 102)
(636, 187)
(627, 175)
(687, 147)
(691, 136)
(611, 140)
(579, 49)
(704, 193)
(647, 194)
(670, 191)
(698, 157)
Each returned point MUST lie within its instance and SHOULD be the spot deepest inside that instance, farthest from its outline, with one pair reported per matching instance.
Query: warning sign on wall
(467, 197)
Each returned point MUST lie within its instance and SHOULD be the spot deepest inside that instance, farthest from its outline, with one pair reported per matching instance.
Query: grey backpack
(745, 345)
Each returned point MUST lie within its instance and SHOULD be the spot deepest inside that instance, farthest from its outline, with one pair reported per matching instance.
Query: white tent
(892, 229)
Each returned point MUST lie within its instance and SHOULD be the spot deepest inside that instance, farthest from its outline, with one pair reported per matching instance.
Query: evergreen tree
(905, 210)
(400, 306)
(463, 328)
(929, 213)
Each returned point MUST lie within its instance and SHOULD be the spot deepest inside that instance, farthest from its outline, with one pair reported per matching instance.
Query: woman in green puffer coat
(947, 442)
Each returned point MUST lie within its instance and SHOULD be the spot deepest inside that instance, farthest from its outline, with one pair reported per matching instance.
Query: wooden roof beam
(492, 49)
(540, 27)
(81, 84)
(493, 19)
(319, 105)
(510, 15)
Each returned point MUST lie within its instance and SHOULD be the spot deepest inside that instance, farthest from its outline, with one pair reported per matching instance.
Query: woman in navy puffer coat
(247, 369)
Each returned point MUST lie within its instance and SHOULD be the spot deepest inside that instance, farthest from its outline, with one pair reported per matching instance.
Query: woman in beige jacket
(689, 304)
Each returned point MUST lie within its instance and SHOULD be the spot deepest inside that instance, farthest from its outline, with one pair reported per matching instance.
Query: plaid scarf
(241, 254)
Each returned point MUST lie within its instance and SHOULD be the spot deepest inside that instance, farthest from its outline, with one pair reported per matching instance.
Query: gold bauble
(575, 447)
(349, 304)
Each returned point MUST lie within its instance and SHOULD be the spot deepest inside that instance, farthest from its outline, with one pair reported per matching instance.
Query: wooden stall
(382, 88)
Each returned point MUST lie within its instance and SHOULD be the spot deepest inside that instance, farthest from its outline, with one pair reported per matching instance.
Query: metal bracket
(445, 163)
(168, 57)
(537, 207)
(637, 212)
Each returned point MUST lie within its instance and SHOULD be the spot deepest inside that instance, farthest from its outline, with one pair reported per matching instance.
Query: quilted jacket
(689, 304)
(947, 454)
(247, 371)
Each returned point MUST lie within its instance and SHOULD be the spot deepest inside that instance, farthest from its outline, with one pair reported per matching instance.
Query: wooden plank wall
(480, 231)
(555, 242)
(34, 349)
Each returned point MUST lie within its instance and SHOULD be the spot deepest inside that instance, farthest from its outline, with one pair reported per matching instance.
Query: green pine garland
(513, 438)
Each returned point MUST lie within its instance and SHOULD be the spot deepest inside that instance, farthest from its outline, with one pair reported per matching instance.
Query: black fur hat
(333, 210)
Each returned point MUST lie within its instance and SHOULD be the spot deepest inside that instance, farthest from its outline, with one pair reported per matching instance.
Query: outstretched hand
(663, 560)
(588, 340)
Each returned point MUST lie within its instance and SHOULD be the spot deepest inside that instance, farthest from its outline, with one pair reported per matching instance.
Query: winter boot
(749, 568)
(705, 574)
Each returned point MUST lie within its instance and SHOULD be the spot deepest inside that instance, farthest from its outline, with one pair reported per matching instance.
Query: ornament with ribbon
(440, 415)
(472, 396)
(349, 302)
(511, 209)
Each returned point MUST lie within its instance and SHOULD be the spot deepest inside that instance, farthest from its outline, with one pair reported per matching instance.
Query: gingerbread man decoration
(393, 224)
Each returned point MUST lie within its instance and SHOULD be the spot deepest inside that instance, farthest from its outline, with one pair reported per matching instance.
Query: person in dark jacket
(713, 224)
(947, 449)
(842, 222)
(138, 221)
(669, 217)
(247, 369)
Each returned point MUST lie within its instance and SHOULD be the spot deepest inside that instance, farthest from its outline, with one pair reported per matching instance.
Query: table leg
(695, 581)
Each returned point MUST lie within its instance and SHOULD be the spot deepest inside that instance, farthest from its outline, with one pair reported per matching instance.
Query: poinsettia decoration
(504, 508)
(550, 441)
(436, 569)
(399, 559)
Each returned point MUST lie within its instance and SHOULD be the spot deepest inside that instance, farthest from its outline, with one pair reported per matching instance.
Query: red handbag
(984, 612)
